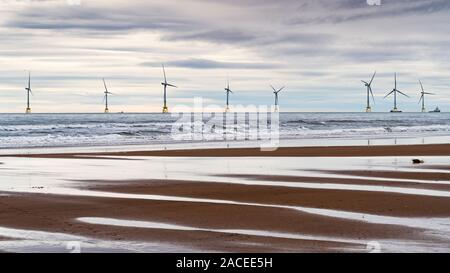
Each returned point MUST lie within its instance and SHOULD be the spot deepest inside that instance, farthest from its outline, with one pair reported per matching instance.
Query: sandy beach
(325, 151)
(224, 126)
(329, 199)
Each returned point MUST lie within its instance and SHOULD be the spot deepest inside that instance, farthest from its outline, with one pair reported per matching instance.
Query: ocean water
(72, 130)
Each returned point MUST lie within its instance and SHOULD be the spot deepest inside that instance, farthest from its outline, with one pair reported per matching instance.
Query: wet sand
(390, 204)
(336, 151)
(235, 202)
(58, 214)
(363, 181)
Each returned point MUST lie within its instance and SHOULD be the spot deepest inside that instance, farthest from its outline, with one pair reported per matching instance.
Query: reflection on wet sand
(268, 204)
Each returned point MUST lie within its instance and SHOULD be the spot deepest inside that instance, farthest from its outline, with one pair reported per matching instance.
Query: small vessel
(437, 110)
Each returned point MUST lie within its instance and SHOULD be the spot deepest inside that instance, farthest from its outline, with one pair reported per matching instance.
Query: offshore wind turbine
(105, 98)
(275, 91)
(228, 91)
(28, 89)
(395, 91)
(165, 84)
(369, 93)
(422, 97)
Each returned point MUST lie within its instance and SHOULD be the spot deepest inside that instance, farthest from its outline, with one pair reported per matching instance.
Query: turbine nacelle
(227, 89)
(396, 91)
(168, 84)
(275, 91)
(423, 90)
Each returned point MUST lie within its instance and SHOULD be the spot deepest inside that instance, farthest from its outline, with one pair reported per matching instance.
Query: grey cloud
(252, 39)
(377, 55)
(219, 35)
(99, 19)
(172, 23)
(324, 11)
(317, 44)
(210, 64)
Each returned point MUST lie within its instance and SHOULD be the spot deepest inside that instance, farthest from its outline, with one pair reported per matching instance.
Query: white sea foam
(56, 130)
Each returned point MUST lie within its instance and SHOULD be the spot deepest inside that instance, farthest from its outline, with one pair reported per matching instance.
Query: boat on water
(437, 110)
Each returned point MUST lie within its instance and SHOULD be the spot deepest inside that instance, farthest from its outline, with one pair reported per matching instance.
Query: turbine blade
(420, 100)
(164, 71)
(403, 93)
(172, 85)
(373, 97)
(104, 83)
(429, 93)
(281, 89)
(373, 77)
(421, 85)
(274, 90)
(389, 94)
(365, 82)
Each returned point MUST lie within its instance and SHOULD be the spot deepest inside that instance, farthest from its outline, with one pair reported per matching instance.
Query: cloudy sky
(319, 49)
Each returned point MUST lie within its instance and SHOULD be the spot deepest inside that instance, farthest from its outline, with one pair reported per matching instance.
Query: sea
(121, 129)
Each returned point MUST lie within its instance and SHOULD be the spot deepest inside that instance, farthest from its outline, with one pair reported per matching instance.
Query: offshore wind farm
(118, 128)
(276, 106)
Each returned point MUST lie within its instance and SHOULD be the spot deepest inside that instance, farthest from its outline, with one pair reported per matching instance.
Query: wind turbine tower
(106, 96)
(395, 91)
(28, 89)
(228, 91)
(422, 97)
(165, 84)
(369, 93)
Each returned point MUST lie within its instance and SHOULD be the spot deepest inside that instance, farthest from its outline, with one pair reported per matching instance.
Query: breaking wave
(48, 130)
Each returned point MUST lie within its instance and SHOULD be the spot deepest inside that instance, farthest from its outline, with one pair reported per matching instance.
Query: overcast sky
(319, 49)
